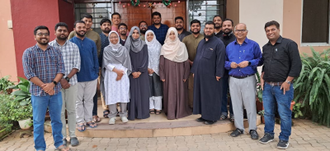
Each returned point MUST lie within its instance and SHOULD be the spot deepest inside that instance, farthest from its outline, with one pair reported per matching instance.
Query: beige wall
(233, 10)
(7, 51)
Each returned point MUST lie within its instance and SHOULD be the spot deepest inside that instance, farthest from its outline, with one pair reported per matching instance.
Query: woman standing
(174, 71)
(115, 69)
(153, 69)
(139, 80)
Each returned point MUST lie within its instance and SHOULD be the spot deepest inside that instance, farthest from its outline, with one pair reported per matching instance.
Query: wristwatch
(55, 83)
(249, 63)
(67, 79)
(288, 82)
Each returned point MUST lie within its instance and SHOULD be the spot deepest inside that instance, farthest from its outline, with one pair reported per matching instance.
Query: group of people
(150, 69)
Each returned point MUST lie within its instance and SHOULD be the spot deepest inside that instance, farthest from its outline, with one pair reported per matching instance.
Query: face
(113, 38)
(272, 32)
(240, 31)
(42, 36)
(106, 27)
(172, 36)
(88, 22)
(195, 28)
(217, 21)
(179, 24)
(156, 19)
(116, 19)
(136, 34)
(80, 29)
(209, 30)
(227, 27)
(143, 27)
(122, 30)
(150, 36)
(61, 33)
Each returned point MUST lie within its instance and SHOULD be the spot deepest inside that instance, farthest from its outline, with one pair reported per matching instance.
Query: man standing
(71, 58)
(143, 28)
(227, 37)
(158, 28)
(218, 24)
(44, 68)
(281, 64)
(116, 20)
(208, 68)
(122, 33)
(191, 41)
(243, 57)
(179, 23)
(87, 77)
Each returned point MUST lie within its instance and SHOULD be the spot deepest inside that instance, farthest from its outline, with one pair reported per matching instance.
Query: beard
(43, 43)
(157, 23)
(81, 35)
(180, 28)
(123, 33)
(143, 31)
(106, 30)
(208, 36)
(227, 31)
(62, 38)
(194, 32)
(217, 26)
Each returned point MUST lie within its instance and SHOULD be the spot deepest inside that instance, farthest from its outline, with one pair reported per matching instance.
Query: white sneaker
(112, 121)
(124, 119)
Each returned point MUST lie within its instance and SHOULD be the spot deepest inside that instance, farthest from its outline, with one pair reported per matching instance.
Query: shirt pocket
(279, 54)
(208, 53)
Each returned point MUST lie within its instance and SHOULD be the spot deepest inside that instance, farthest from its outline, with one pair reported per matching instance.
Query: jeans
(270, 96)
(224, 102)
(39, 106)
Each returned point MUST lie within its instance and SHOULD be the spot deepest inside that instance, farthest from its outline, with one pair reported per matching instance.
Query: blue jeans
(39, 106)
(270, 96)
(224, 102)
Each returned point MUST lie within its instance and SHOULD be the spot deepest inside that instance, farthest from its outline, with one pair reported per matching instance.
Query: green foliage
(5, 83)
(297, 110)
(22, 94)
(259, 91)
(5, 122)
(312, 88)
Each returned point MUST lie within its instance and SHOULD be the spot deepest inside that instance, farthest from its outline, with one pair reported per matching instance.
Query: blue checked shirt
(71, 58)
(44, 65)
(159, 32)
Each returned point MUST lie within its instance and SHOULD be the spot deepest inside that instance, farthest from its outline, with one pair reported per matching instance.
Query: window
(315, 22)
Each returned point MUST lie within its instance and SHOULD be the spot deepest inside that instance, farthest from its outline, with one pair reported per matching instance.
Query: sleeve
(220, 60)
(110, 67)
(98, 44)
(295, 60)
(96, 62)
(186, 70)
(161, 67)
(100, 57)
(28, 65)
(76, 59)
(60, 63)
(144, 61)
(193, 68)
(71, 35)
(227, 62)
(257, 56)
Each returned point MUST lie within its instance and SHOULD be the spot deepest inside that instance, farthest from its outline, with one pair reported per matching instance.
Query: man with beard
(227, 37)
(158, 28)
(217, 26)
(44, 68)
(122, 33)
(208, 70)
(191, 41)
(143, 28)
(87, 77)
(71, 58)
(179, 27)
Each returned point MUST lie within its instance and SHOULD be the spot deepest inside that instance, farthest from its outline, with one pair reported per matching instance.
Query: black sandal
(158, 112)
(223, 117)
(106, 113)
(152, 111)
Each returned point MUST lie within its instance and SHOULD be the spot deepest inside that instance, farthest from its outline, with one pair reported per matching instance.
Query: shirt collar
(59, 44)
(48, 47)
(278, 41)
(246, 40)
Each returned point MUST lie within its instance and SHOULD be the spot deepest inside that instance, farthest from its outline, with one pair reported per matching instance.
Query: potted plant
(261, 113)
(4, 84)
(5, 122)
(259, 94)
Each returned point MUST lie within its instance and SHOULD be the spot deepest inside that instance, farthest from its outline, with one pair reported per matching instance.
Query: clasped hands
(243, 64)
(48, 88)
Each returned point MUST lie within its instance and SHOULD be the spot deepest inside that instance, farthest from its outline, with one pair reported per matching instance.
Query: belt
(275, 83)
(242, 77)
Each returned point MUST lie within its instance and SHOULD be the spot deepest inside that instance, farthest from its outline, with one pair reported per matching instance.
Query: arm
(76, 62)
(162, 67)
(144, 62)
(220, 60)
(95, 59)
(227, 62)
(294, 56)
(72, 34)
(257, 56)
(28, 68)
(98, 45)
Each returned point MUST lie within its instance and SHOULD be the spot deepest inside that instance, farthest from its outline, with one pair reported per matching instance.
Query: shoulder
(252, 42)
(289, 41)
(52, 43)
(29, 50)
(231, 44)
(71, 44)
(165, 26)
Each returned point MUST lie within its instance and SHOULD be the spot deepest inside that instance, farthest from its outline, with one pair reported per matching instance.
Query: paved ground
(305, 136)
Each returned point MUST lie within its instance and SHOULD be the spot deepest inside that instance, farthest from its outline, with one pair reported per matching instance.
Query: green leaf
(20, 93)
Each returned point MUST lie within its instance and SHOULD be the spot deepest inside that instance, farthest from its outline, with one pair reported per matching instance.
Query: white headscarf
(153, 51)
(174, 50)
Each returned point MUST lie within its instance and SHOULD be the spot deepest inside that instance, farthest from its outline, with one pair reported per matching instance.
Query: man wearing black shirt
(217, 20)
(227, 29)
(281, 64)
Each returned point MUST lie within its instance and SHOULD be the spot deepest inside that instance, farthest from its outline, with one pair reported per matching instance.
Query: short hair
(78, 21)
(142, 22)
(217, 16)
(86, 16)
(179, 17)
(273, 22)
(209, 23)
(227, 19)
(104, 20)
(40, 27)
(156, 14)
(61, 24)
(195, 21)
(122, 24)
(115, 13)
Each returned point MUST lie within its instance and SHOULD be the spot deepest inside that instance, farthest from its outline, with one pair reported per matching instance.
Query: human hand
(65, 84)
(243, 64)
(218, 78)
(233, 65)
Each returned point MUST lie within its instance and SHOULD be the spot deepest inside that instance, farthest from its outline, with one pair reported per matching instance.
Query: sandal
(63, 148)
(158, 112)
(106, 113)
(91, 124)
(232, 119)
(81, 127)
(152, 111)
(223, 117)
(96, 119)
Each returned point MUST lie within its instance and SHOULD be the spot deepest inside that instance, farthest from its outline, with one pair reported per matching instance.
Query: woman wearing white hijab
(115, 69)
(139, 79)
(174, 71)
(156, 90)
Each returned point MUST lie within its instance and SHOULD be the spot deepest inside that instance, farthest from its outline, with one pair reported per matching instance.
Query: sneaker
(74, 141)
(254, 134)
(65, 142)
(283, 144)
(236, 133)
(267, 138)
(124, 119)
(112, 121)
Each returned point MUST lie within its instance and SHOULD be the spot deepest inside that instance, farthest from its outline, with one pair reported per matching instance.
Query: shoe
(267, 138)
(112, 121)
(124, 119)
(200, 120)
(236, 133)
(254, 134)
(283, 144)
(209, 122)
(65, 142)
(74, 141)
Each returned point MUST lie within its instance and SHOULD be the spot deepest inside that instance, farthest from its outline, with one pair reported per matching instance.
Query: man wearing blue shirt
(243, 57)
(87, 77)
(158, 28)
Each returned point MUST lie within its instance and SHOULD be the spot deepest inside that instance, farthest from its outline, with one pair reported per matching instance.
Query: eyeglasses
(114, 37)
(143, 26)
(43, 34)
(122, 28)
(240, 30)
